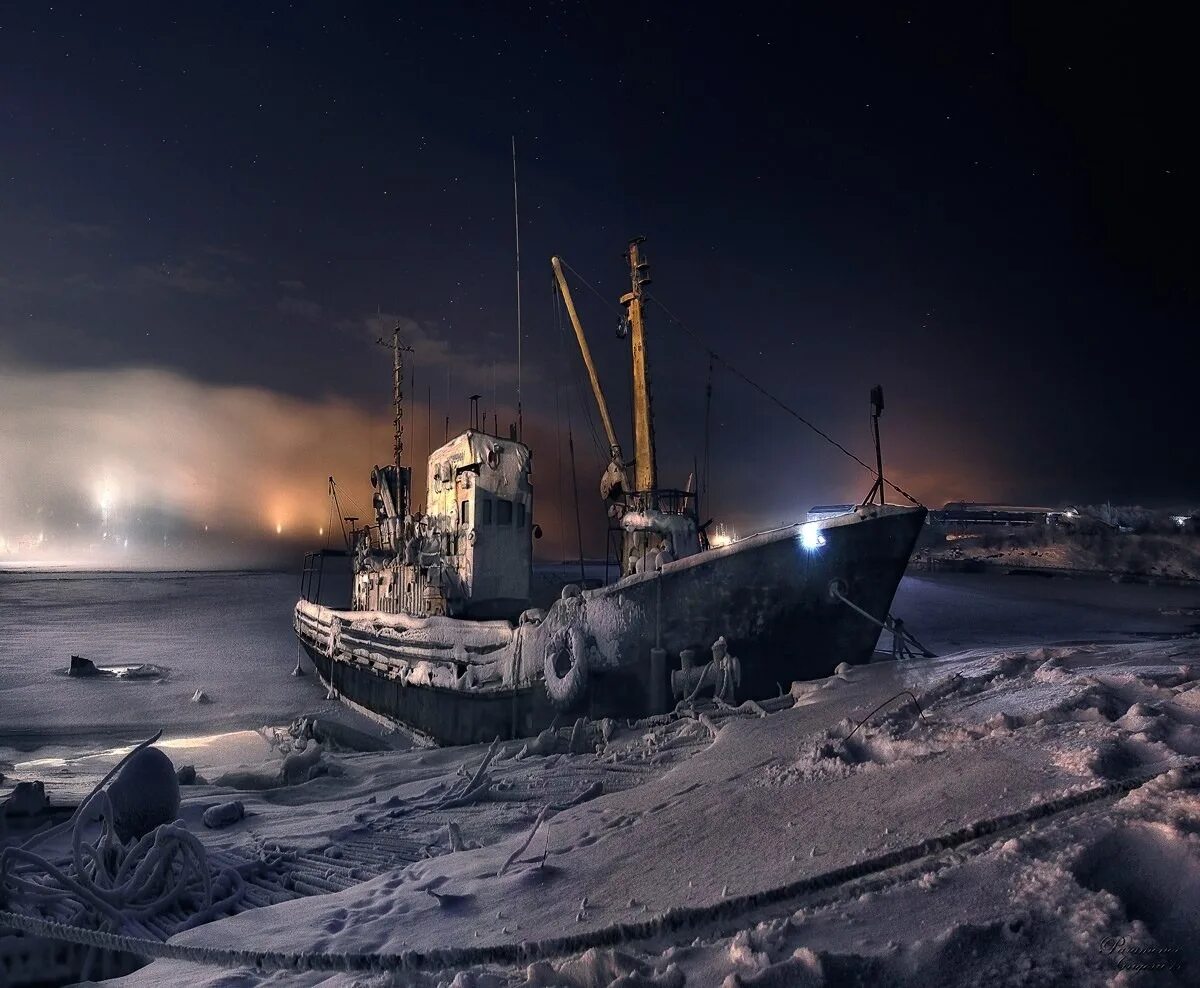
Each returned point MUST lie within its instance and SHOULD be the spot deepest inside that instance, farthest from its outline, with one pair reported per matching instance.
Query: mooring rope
(893, 625)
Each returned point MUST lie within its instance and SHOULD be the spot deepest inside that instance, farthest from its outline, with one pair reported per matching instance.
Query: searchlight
(810, 536)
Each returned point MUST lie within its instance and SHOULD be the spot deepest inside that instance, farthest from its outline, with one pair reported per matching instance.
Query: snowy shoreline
(804, 793)
(705, 813)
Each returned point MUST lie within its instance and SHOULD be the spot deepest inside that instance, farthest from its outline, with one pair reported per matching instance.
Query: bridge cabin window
(485, 511)
(520, 514)
(504, 511)
(464, 514)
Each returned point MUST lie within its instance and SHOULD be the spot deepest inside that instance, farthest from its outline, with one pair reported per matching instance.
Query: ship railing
(311, 628)
(313, 571)
(440, 655)
(668, 500)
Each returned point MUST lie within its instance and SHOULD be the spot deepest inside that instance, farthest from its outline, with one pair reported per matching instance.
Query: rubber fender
(568, 687)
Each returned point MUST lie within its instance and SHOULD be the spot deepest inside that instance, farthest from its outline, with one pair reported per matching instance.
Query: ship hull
(772, 601)
(768, 596)
(445, 716)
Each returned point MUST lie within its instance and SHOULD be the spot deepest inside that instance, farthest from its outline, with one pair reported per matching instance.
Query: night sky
(207, 216)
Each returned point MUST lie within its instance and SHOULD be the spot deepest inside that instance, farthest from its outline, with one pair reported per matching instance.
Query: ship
(434, 628)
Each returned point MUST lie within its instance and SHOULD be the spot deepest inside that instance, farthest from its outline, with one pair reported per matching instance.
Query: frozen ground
(1036, 820)
(228, 634)
(952, 611)
(750, 822)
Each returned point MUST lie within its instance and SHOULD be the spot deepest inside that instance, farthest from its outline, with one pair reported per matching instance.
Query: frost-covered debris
(1026, 817)
(120, 865)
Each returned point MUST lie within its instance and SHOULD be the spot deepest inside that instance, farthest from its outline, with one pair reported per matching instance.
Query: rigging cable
(713, 355)
(574, 474)
(702, 480)
(329, 524)
(562, 360)
(602, 449)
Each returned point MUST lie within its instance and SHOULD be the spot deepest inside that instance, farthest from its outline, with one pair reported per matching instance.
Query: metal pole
(517, 238)
(575, 484)
(645, 479)
(876, 411)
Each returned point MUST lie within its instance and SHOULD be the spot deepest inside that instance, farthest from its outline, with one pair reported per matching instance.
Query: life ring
(566, 667)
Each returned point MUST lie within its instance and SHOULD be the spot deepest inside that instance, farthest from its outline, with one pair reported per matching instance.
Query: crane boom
(614, 446)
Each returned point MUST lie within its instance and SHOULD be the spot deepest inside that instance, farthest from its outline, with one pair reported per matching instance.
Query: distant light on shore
(105, 499)
(278, 529)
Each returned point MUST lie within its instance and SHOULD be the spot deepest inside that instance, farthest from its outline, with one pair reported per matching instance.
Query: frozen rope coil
(114, 885)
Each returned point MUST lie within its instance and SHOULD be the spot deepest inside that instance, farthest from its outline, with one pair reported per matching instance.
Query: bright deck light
(810, 536)
(722, 536)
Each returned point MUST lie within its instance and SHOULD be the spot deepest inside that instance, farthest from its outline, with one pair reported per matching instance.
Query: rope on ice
(114, 885)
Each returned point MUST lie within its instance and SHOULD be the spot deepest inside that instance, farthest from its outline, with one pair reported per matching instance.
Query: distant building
(972, 513)
(821, 511)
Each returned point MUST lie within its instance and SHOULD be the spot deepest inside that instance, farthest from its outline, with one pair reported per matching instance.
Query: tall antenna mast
(397, 393)
(517, 236)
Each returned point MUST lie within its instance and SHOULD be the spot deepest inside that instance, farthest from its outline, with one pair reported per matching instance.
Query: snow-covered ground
(1029, 815)
(1025, 817)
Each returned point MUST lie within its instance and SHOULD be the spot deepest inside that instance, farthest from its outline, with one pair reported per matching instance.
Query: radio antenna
(517, 237)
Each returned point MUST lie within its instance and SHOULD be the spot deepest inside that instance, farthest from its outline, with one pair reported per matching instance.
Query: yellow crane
(639, 492)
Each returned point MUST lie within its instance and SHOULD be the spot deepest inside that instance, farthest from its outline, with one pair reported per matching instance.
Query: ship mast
(398, 414)
(645, 467)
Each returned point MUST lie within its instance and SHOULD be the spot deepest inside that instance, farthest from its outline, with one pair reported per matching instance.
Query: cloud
(99, 456)
(301, 307)
(192, 277)
(92, 451)
(435, 349)
(292, 284)
(228, 253)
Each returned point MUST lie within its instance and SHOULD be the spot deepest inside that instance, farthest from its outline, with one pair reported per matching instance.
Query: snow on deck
(1050, 748)
(436, 630)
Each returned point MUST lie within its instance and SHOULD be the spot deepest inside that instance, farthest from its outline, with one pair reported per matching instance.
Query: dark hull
(767, 595)
(445, 715)
(772, 602)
